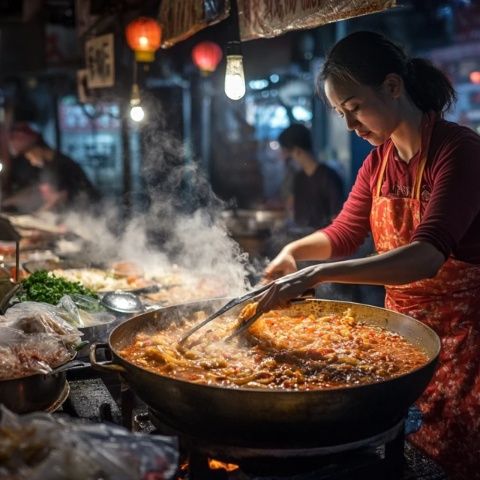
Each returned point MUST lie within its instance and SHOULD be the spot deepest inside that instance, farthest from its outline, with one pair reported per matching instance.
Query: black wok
(275, 419)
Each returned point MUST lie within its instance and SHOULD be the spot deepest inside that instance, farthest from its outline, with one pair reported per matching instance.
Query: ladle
(123, 302)
(126, 302)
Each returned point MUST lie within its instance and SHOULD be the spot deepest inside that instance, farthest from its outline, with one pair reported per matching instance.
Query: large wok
(275, 419)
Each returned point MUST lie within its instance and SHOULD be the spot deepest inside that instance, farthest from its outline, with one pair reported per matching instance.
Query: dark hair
(33, 137)
(368, 57)
(296, 135)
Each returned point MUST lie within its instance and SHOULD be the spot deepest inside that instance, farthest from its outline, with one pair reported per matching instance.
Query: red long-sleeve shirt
(450, 195)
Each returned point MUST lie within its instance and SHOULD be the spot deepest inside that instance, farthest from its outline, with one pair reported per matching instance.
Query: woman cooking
(418, 194)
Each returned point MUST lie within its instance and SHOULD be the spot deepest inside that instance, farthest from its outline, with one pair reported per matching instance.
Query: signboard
(269, 18)
(100, 59)
(181, 19)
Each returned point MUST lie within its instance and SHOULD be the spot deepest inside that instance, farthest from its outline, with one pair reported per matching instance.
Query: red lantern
(475, 77)
(206, 56)
(144, 36)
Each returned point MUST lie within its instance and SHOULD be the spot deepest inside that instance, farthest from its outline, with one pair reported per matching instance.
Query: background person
(315, 197)
(417, 192)
(317, 190)
(60, 182)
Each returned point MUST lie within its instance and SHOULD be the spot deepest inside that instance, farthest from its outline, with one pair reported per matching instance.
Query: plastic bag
(36, 317)
(82, 311)
(38, 446)
(28, 354)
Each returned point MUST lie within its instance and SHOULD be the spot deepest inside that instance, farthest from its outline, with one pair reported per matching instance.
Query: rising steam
(177, 219)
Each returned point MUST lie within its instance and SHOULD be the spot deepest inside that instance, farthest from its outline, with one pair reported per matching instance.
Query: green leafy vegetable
(45, 287)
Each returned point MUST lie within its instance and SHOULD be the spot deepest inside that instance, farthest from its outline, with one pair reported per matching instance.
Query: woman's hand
(289, 287)
(283, 264)
(315, 246)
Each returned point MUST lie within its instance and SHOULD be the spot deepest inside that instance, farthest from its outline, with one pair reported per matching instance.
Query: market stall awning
(181, 19)
(266, 18)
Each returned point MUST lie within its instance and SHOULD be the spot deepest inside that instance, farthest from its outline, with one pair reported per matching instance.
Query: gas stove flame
(217, 465)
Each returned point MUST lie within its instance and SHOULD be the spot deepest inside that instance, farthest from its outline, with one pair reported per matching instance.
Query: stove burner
(106, 400)
(381, 456)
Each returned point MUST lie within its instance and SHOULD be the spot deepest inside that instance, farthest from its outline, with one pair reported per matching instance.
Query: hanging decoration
(206, 56)
(266, 19)
(144, 37)
(183, 18)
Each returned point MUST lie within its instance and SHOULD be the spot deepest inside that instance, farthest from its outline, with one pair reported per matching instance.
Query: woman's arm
(315, 246)
(416, 261)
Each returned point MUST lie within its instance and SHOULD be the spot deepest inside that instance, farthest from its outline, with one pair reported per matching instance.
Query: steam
(177, 221)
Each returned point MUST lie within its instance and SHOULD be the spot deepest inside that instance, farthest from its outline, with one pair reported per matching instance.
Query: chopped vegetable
(43, 286)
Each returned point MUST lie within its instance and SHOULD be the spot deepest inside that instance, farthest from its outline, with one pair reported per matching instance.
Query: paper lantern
(144, 36)
(475, 77)
(206, 56)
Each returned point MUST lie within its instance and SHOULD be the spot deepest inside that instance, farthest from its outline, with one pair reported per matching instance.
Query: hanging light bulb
(137, 113)
(234, 75)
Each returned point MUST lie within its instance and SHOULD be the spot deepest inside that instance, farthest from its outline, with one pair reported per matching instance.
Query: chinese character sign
(100, 59)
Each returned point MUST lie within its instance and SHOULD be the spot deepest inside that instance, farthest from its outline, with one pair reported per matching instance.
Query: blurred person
(417, 193)
(315, 196)
(56, 181)
(316, 189)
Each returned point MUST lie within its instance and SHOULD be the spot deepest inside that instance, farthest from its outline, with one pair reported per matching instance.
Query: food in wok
(292, 349)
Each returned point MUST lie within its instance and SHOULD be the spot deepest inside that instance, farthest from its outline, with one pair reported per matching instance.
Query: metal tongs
(228, 306)
(272, 289)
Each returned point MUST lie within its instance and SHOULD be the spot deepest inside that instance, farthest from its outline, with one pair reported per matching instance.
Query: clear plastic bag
(36, 317)
(35, 338)
(82, 311)
(38, 446)
(28, 354)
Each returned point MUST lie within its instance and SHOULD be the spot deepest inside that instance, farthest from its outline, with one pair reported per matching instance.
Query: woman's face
(371, 113)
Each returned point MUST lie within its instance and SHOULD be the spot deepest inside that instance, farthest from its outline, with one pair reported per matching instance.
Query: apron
(449, 303)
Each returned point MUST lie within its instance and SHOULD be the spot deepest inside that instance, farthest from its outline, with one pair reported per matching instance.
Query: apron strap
(418, 178)
(381, 173)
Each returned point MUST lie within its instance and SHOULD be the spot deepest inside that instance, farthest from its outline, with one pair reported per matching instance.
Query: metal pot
(37, 392)
(275, 419)
(96, 333)
(253, 222)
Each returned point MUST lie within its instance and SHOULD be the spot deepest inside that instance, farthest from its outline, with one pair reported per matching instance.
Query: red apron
(450, 304)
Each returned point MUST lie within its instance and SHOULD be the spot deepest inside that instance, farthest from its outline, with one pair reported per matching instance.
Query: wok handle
(71, 365)
(103, 366)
